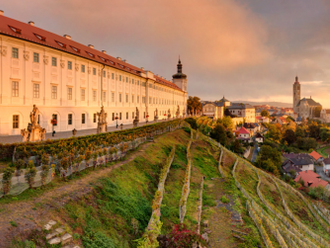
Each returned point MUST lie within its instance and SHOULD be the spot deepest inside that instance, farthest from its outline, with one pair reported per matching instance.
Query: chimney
(67, 36)
(104, 51)
(119, 58)
(142, 68)
(1, 12)
(31, 23)
(91, 46)
(125, 61)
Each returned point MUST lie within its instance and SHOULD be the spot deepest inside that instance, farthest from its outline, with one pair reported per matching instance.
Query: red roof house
(244, 134)
(317, 157)
(311, 179)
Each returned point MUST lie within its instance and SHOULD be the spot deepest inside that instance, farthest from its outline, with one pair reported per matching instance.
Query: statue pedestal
(36, 133)
(156, 118)
(135, 122)
(102, 128)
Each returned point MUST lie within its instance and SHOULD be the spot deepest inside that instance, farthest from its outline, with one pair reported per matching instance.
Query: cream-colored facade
(73, 88)
(211, 109)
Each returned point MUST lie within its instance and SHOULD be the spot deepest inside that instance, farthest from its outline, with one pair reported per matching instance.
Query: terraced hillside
(184, 177)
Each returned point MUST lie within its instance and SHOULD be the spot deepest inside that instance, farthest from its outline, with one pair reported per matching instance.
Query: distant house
(259, 138)
(311, 179)
(325, 115)
(326, 166)
(299, 161)
(281, 120)
(316, 157)
(214, 110)
(262, 119)
(243, 134)
(251, 127)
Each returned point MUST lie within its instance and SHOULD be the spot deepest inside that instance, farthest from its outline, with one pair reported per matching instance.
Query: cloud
(243, 49)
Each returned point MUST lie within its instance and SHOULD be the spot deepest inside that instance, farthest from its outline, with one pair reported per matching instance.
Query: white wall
(27, 73)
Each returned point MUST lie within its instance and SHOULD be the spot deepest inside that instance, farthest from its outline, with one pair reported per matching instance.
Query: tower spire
(179, 66)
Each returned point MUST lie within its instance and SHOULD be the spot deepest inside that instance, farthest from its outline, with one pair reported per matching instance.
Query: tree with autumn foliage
(194, 105)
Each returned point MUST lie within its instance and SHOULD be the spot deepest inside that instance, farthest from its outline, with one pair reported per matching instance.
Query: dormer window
(61, 44)
(111, 62)
(75, 49)
(90, 54)
(103, 59)
(16, 30)
(40, 37)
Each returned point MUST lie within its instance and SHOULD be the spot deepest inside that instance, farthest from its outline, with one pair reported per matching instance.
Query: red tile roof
(243, 131)
(27, 32)
(311, 178)
(315, 155)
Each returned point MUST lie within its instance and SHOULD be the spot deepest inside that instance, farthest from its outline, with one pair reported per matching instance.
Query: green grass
(322, 151)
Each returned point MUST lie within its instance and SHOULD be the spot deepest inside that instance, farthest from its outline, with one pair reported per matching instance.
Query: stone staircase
(59, 235)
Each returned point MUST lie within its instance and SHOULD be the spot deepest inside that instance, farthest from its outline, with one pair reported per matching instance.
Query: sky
(240, 49)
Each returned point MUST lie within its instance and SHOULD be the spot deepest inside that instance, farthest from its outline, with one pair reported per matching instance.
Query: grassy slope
(121, 198)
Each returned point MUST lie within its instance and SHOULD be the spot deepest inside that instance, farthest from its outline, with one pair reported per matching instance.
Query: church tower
(180, 79)
(296, 95)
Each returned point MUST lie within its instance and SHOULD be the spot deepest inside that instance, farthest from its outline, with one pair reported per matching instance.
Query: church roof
(30, 33)
(310, 102)
(224, 99)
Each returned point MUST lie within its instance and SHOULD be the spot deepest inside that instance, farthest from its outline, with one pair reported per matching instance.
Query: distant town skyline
(243, 49)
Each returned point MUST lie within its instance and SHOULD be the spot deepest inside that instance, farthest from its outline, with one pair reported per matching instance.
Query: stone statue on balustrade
(102, 125)
(136, 119)
(169, 114)
(156, 115)
(178, 112)
(33, 132)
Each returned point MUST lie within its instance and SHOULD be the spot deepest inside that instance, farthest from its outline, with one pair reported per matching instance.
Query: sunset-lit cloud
(243, 49)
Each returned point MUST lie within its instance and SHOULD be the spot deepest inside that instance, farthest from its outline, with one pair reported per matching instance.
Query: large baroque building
(70, 82)
(216, 110)
(306, 107)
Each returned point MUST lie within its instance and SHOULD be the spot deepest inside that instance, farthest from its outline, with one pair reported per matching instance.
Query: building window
(113, 76)
(69, 65)
(138, 99)
(104, 95)
(69, 93)
(15, 89)
(54, 92)
(132, 98)
(55, 118)
(113, 116)
(83, 118)
(94, 71)
(14, 52)
(132, 81)
(54, 61)
(150, 100)
(82, 94)
(36, 90)
(112, 96)
(15, 121)
(119, 97)
(132, 115)
(144, 114)
(120, 116)
(119, 77)
(126, 79)
(94, 118)
(126, 98)
(36, 57)
(138, 82)
(69, 119)
(83, 68)
(104, 73)
(94, 95)
(126, 115)
(143, 99)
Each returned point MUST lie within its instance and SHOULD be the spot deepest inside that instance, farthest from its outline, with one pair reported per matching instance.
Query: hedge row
(27, 149)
